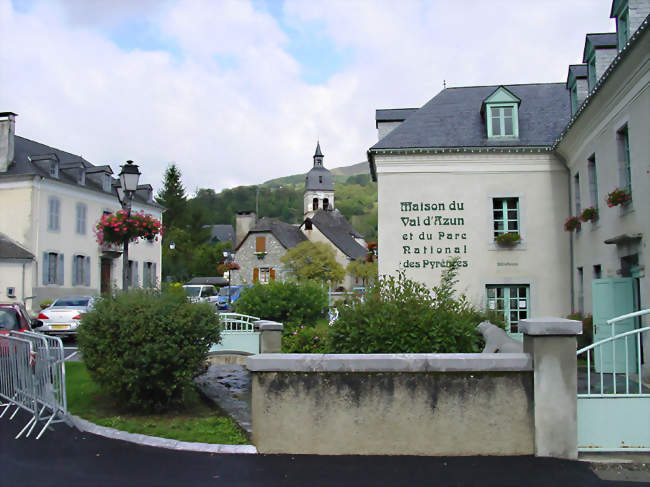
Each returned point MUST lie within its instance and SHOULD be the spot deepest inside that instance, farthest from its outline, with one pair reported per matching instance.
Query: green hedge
(398, 315)
(290, 303)
(145, 347)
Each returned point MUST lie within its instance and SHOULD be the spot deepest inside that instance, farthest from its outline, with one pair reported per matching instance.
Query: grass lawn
(198, 421)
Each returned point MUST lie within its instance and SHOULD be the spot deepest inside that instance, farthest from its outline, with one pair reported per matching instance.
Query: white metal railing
(598, 349)
(237, 322)
(32, 378)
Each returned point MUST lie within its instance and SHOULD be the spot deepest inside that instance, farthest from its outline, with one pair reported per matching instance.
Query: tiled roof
(26, 149)
(287, 234)
(453, 119)
(12, 250)
(339, 231)
(221, 233)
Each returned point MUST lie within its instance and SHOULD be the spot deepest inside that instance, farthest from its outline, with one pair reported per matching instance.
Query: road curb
(88, 427)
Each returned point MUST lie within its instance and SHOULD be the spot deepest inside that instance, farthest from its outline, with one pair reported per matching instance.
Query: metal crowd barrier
(32, 378)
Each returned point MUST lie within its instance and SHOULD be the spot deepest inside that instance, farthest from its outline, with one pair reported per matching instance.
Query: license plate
(60, 327)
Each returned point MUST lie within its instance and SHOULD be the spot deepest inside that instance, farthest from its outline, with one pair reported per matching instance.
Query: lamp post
(227, 256)
(129, 176)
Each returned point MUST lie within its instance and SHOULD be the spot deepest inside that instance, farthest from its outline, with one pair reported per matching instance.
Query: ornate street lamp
(129, 177)
(227, 258)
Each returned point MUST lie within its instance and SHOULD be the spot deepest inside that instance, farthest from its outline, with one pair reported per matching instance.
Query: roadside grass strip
(198, 422)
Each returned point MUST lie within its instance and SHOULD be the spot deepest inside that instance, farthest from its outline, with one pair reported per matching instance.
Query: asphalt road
(65, 457)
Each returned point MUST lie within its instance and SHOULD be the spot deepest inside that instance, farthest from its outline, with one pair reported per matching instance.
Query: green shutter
(87, 272)
(45, 268)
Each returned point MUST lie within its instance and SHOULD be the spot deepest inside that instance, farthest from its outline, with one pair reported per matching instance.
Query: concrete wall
(422, 404)
(465, 184)
(419, 404)
(17, 274)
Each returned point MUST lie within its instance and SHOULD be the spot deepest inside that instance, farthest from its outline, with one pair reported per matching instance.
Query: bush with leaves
(398, 315)
(144, 347)
(305, 339)
(286, 302)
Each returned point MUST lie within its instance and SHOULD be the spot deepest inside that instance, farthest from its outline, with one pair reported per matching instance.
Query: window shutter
(272, 273)
(75, 268)
(136, 280)
(260, 244)
(256, 274)
(59, 271)
(45, 268)
(87, 272)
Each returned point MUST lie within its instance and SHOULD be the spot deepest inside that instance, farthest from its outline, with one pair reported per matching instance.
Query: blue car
(228, 291)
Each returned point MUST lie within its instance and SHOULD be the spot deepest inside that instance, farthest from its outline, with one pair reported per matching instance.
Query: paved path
(65, 457)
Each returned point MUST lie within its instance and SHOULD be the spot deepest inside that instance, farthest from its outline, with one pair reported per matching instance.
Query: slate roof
(393, 114)
(12, 250)
(340, 232)
(453, 119)
(313, 179)
(26, 148)
(578, 71)
(221, 233)
(599, 41)
(287, 234)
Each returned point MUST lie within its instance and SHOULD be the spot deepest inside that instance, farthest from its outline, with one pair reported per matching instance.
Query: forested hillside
(355, 196)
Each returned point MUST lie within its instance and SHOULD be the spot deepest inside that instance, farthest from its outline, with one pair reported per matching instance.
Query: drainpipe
(566, 166)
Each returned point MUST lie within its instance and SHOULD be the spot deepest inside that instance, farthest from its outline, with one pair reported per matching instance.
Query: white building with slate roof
(478, 162)
(265, 241)
(51, 201)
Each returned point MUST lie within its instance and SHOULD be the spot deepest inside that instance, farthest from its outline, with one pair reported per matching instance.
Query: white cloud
(229, 105)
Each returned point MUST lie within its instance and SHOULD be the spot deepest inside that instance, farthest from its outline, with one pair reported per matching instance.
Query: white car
(63, 316)
(201, 293)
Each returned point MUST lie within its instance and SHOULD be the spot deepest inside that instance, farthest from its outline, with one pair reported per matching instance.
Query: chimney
(7, 131)
(245, 221)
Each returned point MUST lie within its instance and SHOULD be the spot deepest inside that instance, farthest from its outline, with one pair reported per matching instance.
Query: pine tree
(172, 197)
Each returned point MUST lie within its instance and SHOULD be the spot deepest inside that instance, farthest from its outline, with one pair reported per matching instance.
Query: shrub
(587, 336)
(286, 302)
(144, 347)
(305, 339)
(398, 315)
(46, 303)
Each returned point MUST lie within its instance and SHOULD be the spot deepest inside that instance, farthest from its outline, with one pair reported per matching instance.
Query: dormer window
(621, 11)
(592, 72)
(107, 182)
(54, 168)
(501, 113)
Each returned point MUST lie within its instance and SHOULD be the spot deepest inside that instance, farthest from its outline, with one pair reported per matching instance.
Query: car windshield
(66, 302)
(192, 292)
(9, 320)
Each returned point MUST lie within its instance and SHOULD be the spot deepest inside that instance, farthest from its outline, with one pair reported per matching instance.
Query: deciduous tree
(313, 261)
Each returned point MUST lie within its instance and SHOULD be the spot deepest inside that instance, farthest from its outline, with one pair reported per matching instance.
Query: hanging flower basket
(589, 214)
(119, 227)
(571, 224)
(230, 266)
(371, 255)
(509, 239)
(618, 197)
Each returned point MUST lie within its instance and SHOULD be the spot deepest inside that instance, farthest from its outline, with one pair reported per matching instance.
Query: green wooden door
(612, 298)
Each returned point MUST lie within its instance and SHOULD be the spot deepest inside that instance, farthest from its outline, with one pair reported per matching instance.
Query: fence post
(552, 344)
(270, 336)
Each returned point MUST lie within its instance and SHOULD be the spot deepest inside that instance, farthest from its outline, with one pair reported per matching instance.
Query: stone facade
(248, 259)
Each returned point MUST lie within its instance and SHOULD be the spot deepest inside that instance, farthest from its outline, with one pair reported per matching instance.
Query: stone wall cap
(268, 325)
(550, 326)
(389, 362)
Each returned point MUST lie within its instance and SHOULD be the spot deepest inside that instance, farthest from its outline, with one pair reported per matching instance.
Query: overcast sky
(238, 92)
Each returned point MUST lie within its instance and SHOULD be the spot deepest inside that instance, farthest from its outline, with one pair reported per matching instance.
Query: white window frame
(264, 276)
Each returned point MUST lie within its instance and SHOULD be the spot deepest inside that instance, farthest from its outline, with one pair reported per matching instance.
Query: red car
(14, 316)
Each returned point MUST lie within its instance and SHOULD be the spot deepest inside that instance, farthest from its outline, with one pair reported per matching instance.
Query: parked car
(14, 317)
(63, 316)
(226, 294)
(201, 293)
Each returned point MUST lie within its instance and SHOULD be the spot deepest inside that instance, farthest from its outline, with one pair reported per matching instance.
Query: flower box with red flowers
(618, 197)
(571, 224)
(589, 214)
(120, 227)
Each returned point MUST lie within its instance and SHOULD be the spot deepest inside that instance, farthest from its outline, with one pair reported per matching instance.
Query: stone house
(261, 244)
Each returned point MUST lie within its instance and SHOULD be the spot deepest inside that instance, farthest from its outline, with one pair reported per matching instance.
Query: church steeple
(319, 186)
(318, 156)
